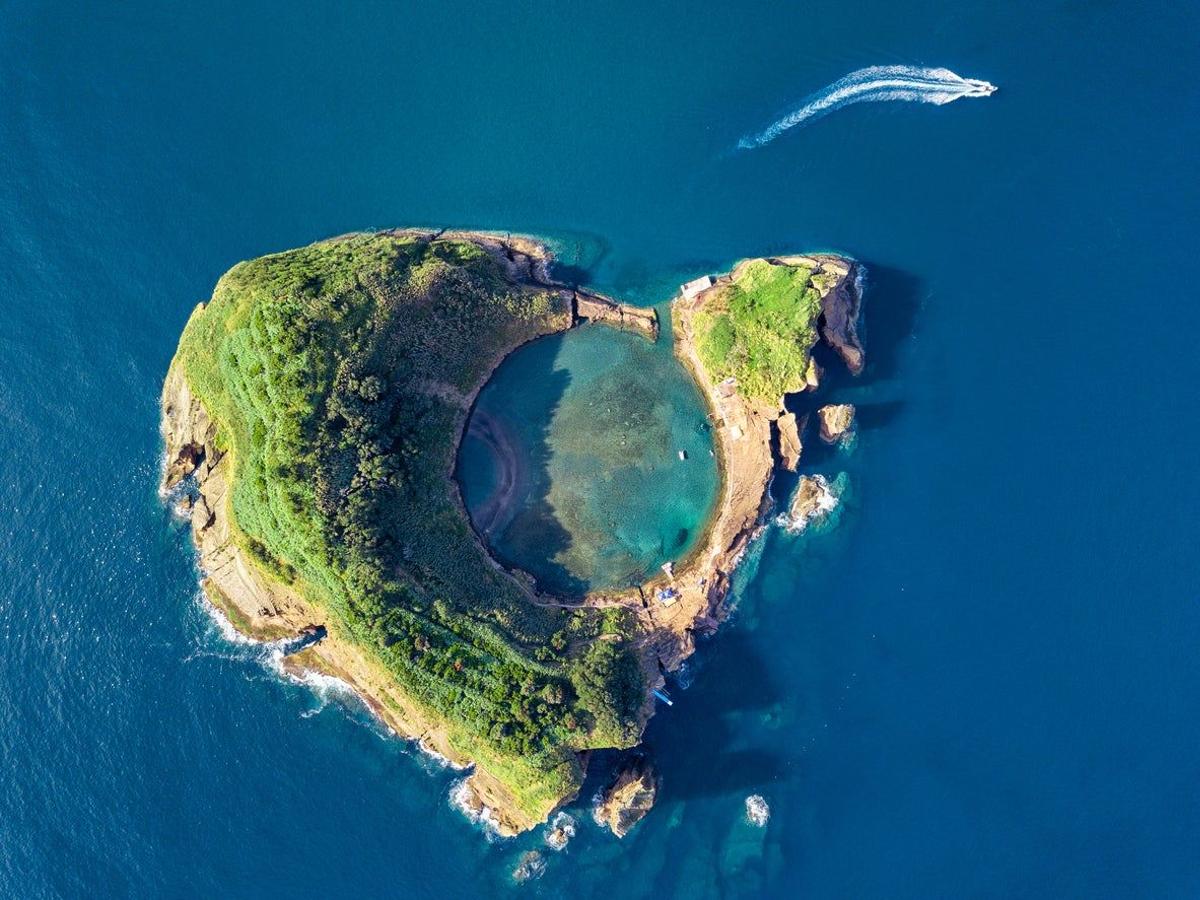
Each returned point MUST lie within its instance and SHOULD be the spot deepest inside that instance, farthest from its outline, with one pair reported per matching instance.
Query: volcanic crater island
(313, 414)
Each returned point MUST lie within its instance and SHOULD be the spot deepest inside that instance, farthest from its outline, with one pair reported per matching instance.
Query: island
(312, 415)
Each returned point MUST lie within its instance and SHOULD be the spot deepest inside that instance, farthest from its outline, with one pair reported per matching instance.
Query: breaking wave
(874, 84)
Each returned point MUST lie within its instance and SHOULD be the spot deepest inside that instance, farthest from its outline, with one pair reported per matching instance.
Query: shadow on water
(890, 308)
(532, 532)
(577, 256)
(694, 743)
(698, 748)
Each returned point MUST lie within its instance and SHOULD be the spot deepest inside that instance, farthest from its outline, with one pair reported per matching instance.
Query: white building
(694, 287)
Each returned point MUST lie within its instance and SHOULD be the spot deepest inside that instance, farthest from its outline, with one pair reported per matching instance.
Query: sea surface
(982, 682)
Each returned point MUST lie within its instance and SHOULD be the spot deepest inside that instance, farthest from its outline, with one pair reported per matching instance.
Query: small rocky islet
(312, 414)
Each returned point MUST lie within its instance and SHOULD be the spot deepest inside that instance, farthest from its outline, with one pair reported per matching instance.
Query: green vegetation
(760, 329)
(334, 374)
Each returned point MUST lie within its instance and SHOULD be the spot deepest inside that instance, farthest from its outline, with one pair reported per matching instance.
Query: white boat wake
(872, 85)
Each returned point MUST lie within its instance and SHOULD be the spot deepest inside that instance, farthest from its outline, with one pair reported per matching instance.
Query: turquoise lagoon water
(598, 419)
(983, 682)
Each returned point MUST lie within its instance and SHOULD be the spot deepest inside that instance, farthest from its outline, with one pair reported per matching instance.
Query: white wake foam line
(874, 84)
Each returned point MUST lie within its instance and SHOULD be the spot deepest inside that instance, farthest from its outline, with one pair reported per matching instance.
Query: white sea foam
(222, 623)
(875, 84)
(823, 499)
(462, 799)
(597, 802)
(757, 811)
(559, 831)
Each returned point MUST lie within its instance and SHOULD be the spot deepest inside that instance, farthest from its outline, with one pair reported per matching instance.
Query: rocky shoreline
(751, 439)
(262, 607)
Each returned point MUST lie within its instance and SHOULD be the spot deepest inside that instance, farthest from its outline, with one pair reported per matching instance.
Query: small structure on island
(669, 568)
(666, 596)
(696, 286)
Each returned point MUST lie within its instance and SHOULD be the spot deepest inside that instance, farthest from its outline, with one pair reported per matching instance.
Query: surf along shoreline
(671, 610)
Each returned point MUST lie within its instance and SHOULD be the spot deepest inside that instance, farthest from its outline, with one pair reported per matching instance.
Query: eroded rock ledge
(597, 308)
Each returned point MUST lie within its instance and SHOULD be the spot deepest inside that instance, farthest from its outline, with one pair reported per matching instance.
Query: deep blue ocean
(982, 683)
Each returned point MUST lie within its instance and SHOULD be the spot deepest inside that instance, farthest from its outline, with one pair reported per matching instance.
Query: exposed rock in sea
(531, 865)
(757, 810)
(791, 442)
(813, 500)
(836, 421)
(629, 797)
(560, 831)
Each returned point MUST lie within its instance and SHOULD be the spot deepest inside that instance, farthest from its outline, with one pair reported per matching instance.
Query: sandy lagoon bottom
(571, 466)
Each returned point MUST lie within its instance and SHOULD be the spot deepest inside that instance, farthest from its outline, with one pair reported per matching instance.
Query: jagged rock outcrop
(840, 308)
(629, 797)
(813, 500)
(791, 439)
(836, 421)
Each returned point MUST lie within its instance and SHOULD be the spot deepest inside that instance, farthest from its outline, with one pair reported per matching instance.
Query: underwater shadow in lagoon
(529, 529)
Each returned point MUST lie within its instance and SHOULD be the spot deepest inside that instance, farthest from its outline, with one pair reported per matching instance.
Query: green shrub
(760, 330)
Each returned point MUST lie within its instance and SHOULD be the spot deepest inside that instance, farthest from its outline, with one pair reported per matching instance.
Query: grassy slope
(325, 369)
(760, 329)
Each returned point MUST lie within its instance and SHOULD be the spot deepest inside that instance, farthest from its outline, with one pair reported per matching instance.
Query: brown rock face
(812, 500)
(812, 375)
(791, 442)
(836, 421)
(630, 796)
(839, 320)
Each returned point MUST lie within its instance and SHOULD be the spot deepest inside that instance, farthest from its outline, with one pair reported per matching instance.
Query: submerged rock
(531, 865)
(836, 421)
(757, 810)
(629, 797)
(813, 500)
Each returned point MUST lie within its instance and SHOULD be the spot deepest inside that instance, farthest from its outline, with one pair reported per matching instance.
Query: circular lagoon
(588, 460)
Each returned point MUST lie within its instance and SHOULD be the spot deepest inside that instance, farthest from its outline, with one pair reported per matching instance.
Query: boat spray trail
(874, 84)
